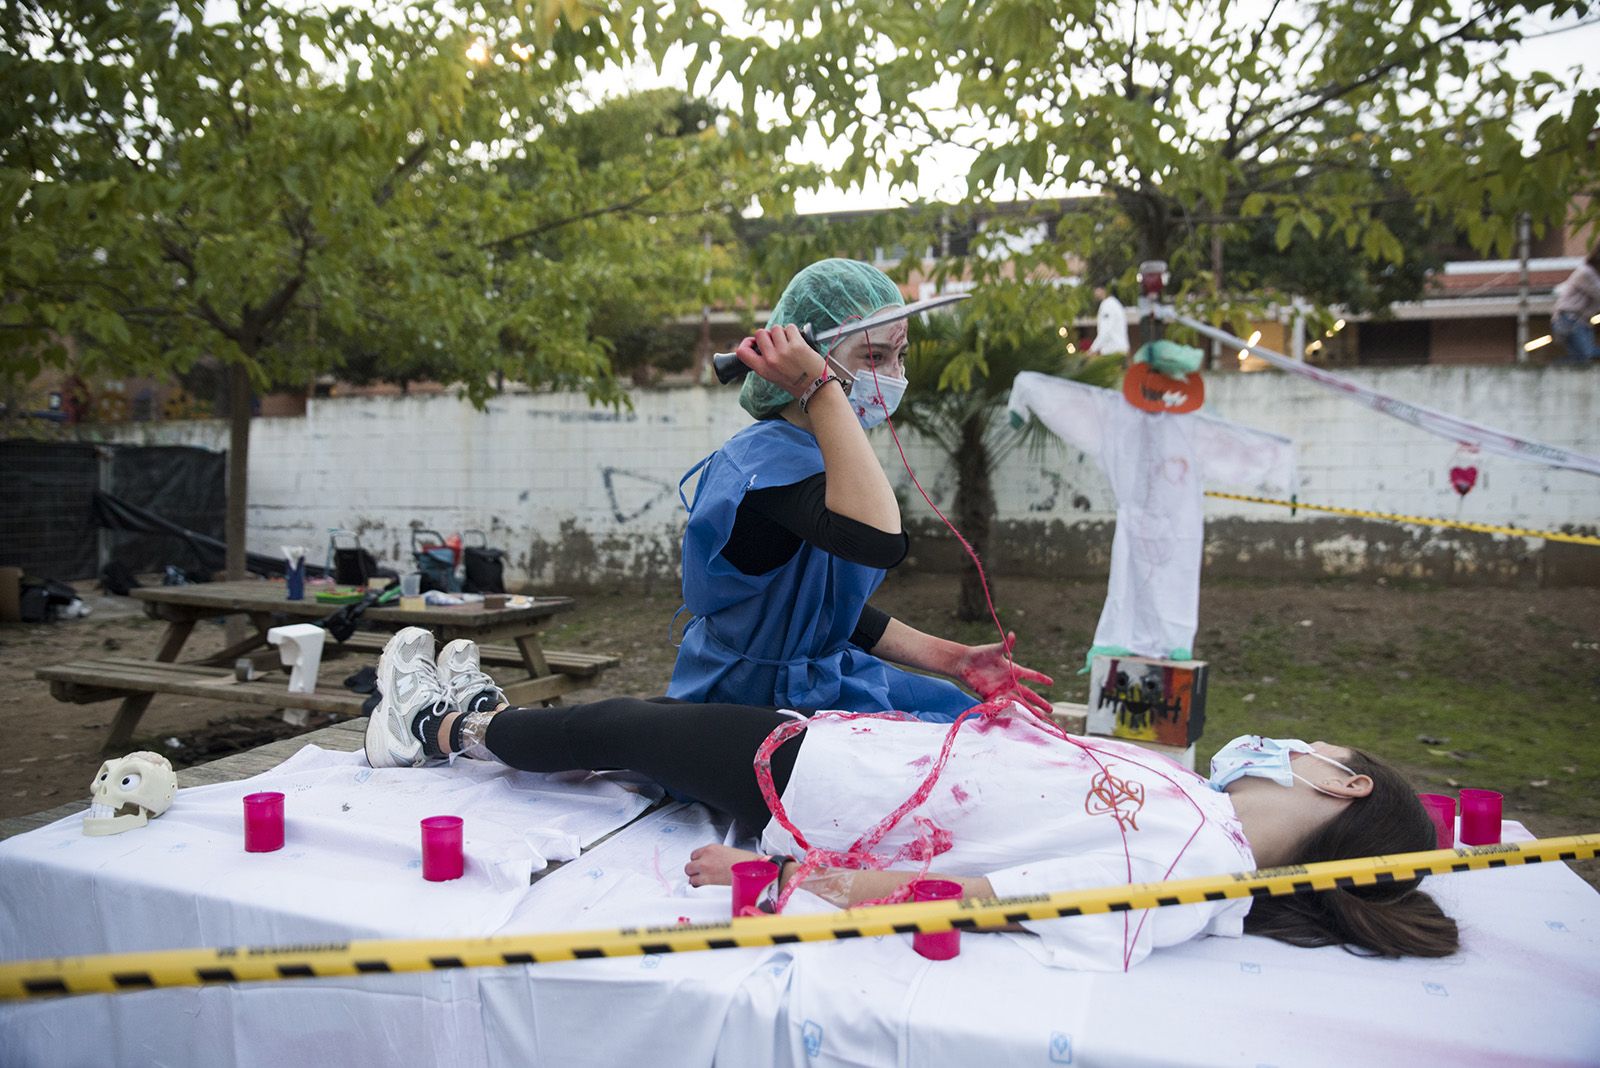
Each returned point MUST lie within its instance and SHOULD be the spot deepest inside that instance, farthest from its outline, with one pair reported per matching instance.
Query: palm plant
(960, 377)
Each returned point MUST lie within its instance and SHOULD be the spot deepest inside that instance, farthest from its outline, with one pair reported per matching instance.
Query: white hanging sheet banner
(1424, 418)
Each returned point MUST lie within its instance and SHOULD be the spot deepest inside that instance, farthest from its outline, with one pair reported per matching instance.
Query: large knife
(730, 368)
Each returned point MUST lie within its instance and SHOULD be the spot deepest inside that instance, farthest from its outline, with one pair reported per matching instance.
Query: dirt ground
(1486, 687)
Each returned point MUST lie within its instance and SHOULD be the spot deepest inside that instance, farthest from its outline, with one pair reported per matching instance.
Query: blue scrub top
(782, 638)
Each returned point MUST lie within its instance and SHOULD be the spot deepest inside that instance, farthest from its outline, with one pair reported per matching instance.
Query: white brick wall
(580, 494)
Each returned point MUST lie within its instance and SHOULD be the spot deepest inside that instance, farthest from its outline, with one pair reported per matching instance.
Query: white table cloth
(1525, 989)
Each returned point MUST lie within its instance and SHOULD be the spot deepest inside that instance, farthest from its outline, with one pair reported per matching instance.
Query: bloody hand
(990, 671)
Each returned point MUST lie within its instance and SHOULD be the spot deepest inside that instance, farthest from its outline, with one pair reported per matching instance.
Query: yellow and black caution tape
(1421, 520)
(116, 972)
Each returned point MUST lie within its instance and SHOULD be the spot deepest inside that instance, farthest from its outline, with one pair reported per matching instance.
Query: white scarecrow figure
(1157, 463)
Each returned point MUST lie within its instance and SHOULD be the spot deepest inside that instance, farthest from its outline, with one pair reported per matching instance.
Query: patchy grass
(1459, 687)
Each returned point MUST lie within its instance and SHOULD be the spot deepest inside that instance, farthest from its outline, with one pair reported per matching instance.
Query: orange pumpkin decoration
(1149, 390)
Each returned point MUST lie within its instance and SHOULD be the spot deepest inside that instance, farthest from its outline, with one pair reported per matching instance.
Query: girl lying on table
(1022, 811)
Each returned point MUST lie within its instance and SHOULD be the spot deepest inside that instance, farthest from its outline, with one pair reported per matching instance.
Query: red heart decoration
(1463, 479)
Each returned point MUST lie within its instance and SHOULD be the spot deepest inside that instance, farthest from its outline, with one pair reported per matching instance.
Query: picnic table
(508, 638)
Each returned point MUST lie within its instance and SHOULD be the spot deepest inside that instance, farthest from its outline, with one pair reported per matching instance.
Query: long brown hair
(1392, 919)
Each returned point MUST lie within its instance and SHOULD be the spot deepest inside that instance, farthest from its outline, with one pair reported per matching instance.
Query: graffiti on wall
(630, 494)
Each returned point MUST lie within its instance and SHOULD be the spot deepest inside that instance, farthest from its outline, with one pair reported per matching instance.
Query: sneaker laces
(434, 703)
(430, 686)
(468, 684)
(432, 697)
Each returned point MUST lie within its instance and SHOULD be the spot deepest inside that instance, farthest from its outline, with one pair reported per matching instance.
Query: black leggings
(703, 751)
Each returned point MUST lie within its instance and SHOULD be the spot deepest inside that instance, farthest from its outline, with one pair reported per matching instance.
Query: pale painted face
(882, 349)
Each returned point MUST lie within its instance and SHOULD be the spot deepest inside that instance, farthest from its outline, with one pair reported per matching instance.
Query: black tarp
(117, 514)
(45, 494)
(185, 486)
(47, 518)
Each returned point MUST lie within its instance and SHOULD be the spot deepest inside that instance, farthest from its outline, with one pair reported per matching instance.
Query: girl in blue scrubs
(794, 526)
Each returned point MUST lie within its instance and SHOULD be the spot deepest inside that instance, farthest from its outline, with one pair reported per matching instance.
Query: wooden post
(237, 517)
(238, 470)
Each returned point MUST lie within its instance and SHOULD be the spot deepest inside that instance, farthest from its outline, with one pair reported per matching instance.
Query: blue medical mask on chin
(865, 397)
(1265, 758)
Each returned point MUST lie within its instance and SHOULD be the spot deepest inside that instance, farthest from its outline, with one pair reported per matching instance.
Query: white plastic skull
(129, 792)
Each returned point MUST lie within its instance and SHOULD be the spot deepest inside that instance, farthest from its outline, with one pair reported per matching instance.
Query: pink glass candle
(1480, 817)
(263, 822)
(442, 859)
(1441, 810)
(750, 878)
(944, 944)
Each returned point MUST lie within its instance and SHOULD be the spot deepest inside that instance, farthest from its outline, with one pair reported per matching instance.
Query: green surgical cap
(825, 295)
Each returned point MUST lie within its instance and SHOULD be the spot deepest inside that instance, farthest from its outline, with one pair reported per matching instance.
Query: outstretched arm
(845, 887)
(986, 669)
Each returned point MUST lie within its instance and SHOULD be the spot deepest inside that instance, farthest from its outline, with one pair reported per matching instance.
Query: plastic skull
(128, 792)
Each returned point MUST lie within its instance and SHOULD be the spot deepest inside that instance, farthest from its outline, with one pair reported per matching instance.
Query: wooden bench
(135, 683)
(582, 665)
(112, 678)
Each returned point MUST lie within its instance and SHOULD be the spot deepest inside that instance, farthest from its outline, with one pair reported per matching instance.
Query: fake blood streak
(935, 840)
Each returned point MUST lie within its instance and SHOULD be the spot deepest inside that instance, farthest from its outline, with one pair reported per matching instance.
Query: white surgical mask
(875, 397)
(1265, 758)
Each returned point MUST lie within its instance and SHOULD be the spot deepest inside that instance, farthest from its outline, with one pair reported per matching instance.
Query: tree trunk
(974, 513)
(1214, 353)
(239, 403)
(1152, 222)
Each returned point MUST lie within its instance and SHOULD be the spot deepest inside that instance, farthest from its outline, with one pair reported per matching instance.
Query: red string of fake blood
(862, 852)
(935, 840)
(972, 554)
(1049, 727)
(1127, 942)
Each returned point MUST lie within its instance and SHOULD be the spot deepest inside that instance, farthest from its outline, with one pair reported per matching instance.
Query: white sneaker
(461, 672)
(408, 685)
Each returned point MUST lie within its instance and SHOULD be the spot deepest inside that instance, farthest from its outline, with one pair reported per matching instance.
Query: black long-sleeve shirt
(772, 523)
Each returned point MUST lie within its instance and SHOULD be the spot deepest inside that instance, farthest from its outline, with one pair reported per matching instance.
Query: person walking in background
(1111, 326)
(1577, 301)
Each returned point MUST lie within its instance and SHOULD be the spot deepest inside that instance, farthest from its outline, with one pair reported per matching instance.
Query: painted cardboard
(1148, 700)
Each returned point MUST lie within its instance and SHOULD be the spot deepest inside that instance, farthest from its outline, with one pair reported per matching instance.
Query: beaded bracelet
(811, 390)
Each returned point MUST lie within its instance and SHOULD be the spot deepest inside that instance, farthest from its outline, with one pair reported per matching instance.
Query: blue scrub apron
(782, 638)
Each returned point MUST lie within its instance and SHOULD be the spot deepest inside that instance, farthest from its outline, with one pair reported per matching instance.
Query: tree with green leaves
(407, 188)
(1197, 119)
(959, 404)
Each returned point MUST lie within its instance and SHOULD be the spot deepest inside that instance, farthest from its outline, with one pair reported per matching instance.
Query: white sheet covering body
(1158, 464)
(1034, 814)
(350, 866)
(1525, 989)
